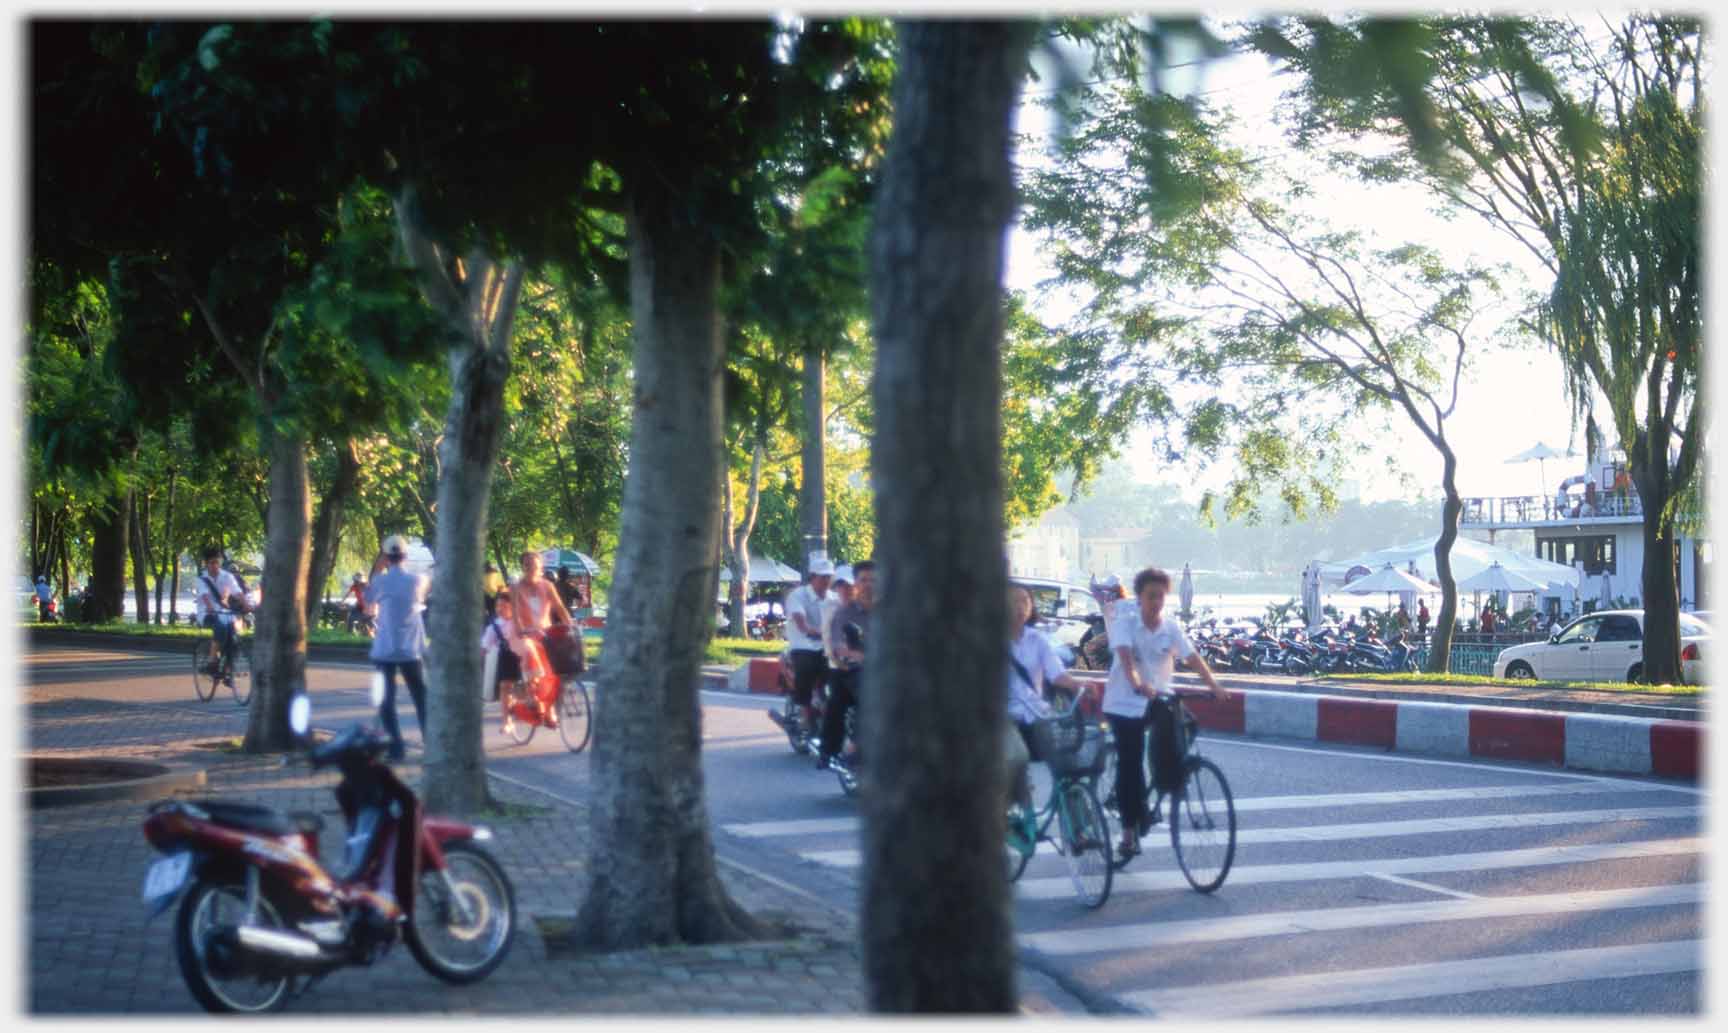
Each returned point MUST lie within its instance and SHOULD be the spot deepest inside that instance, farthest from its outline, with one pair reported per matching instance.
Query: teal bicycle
(1073, 747)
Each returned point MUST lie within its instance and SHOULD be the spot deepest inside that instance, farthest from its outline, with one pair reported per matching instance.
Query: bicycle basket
(1072, 748)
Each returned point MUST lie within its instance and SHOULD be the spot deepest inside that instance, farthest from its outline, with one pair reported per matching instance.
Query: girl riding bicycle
(1147, 646)
(1032, 664)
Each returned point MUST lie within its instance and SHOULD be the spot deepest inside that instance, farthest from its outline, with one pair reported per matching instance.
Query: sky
(1510, 401)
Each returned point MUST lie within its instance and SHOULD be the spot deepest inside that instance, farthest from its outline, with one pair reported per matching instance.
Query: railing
(1475, 653)
(1528, 509)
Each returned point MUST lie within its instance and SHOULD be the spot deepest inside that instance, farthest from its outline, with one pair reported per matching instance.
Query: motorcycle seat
(257, 818)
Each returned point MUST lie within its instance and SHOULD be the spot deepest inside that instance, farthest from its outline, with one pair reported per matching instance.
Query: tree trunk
(279, 646)
(812, 476)
(140, 560)
(651, 855)
(170, 555)
(327, 528)
(1440, 649)
(738, 543)
(1661, 591)
(109, 520)
(938, 931)
(473, 426)
(65, 556)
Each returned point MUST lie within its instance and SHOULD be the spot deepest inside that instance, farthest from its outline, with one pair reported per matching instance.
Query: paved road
(1365, 883)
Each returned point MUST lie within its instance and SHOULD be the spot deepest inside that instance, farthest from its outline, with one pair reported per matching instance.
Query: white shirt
(807, 603)
(830, 605)
(1155, 654)
(1033, 652)
(227, 586)
(400, 597)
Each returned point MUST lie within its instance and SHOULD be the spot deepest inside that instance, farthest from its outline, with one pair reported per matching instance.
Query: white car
(1604, 646)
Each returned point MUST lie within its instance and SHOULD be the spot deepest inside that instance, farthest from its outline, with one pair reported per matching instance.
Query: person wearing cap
(355, 596)
(804, 610)
(399, 638)
(44, 597)
(839, 594)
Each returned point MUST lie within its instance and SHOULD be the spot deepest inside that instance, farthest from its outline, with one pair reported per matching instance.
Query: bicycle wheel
(1017, 852)
(1086, 843)
(203, 682)
(1203, 825)
(575, 716)
(240, 671)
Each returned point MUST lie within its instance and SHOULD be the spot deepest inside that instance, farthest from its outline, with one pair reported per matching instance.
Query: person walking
(399, 637)
(804, 609)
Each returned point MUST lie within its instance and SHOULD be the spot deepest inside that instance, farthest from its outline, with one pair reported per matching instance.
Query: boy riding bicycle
(219, 599)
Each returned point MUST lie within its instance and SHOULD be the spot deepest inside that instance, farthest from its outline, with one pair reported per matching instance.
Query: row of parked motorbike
(1261, 650)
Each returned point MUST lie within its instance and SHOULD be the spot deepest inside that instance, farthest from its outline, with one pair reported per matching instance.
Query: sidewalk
(90, 951)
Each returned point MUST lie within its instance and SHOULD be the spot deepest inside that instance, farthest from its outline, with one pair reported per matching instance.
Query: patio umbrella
(1607, 592)
(1311, 594)
(1185, 591)
(1388, 579)
(1578, 589)
(1498, 579)
(1541, 453)
(552, 559)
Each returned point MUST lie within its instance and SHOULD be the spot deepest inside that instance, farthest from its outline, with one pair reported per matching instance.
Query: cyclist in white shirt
(218, 598)
(1147, 646)
(804, 612)
(1032, 664)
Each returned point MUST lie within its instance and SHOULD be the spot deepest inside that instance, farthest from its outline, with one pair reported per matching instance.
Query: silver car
(1604, 646)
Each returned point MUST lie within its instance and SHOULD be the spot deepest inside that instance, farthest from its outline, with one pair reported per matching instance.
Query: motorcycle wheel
(208, 907)
(1295, 665)
(449, 946)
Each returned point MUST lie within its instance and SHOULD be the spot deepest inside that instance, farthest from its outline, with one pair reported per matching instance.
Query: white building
(1049, 549)
(1594, 519)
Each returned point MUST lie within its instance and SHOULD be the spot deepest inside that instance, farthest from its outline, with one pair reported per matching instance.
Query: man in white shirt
(1147, 646)
(804, 612)
(218, 598)
(400, 639)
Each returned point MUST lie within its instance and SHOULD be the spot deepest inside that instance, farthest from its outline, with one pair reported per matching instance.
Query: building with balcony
(1593, 521)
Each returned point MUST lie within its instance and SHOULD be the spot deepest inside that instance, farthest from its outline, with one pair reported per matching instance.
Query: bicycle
(572, 714)
(1073, 748)
(1202, 809)
(233, 667)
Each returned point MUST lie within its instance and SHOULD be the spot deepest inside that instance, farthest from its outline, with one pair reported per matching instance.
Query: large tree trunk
(937, 926)
(651, 856)
(1661, 591)
(812, 476)
(279, 647)
(109, 520)
(170, 555)
(473, 426)
(327, 528)
(1440, 649)
(140, 560)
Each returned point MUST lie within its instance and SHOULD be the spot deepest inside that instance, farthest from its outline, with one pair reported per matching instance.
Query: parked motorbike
(261, 919)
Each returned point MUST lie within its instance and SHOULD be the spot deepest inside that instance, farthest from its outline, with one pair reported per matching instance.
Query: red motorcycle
(260, 917)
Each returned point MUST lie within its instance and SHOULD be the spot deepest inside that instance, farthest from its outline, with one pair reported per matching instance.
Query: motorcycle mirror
(377, 688)
(300, 714)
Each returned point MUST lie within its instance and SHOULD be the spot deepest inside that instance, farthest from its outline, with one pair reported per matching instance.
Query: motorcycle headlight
(482, 834)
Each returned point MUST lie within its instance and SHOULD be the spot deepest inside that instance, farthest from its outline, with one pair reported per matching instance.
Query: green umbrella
(580, 563)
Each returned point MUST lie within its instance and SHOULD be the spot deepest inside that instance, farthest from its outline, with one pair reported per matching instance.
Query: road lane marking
(1426, 887)
(817, 826)
(1384, 829)
(1412, 982)
(1053, 888)
(1287, 923)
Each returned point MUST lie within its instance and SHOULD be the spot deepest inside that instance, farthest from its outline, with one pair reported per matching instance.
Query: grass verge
(1420, 678)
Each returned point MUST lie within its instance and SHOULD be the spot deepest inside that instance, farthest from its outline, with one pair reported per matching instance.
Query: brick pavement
(90, 951)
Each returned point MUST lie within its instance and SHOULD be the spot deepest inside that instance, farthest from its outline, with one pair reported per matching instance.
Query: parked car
(1060, 610)
(1604, 646)
(1706, 617)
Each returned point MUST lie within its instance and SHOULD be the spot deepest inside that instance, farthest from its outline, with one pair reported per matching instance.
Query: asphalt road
(1364, 884)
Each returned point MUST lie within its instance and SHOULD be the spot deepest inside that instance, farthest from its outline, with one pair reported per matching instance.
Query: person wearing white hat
(804, 611)
(400, 639)
(839, 594)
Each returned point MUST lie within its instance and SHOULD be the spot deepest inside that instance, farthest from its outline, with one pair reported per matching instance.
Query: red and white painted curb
(1608, 743)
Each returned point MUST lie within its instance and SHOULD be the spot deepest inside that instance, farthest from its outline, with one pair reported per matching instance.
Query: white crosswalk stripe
(1413, 982)
(1555, 873)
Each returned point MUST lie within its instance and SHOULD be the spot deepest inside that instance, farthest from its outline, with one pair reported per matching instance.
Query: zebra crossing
(1404, 901)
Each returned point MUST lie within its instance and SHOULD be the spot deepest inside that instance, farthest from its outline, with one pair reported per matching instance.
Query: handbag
(564, 650)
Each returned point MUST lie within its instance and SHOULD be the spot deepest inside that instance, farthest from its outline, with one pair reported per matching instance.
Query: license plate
(165, 877)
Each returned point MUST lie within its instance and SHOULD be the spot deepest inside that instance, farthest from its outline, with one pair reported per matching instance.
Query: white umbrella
(1469, 556)
(1607, 592)
(1311, 594)
(1185, 592)
(1496, 578)
(1388, 579)
(1541, 453)
(1577, 589)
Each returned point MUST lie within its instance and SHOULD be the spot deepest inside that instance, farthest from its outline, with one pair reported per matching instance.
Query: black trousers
(842, 696)
(1159, 721)
(809, 667)
(411, 674)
